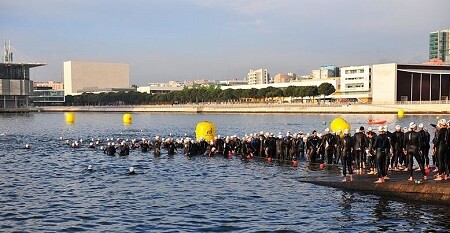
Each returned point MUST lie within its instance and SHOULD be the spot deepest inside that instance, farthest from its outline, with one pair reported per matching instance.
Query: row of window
(355, 78)
(353, 86)
(354, 71)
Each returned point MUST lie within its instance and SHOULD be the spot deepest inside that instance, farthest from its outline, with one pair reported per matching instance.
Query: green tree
(325, 89)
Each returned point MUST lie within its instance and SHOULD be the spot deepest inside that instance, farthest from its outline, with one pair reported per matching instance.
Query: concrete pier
(397, 187)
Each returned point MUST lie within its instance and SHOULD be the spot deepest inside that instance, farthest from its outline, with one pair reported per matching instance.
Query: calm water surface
(48, 189)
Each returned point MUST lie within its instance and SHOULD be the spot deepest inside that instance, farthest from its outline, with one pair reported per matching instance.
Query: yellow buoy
(70, 118)
(341, 124)
(127, 119)
(205, 130)
(400, 113)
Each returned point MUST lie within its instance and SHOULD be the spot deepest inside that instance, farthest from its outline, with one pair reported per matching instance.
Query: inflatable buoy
(70, 118)
(205, 130)
(339, 123)
(127, 119)
(400, 113)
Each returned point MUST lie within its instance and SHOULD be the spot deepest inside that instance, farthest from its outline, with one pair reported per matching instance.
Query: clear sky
(166, 40)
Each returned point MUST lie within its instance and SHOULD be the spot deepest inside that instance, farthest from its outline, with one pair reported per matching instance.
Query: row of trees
(201, 94)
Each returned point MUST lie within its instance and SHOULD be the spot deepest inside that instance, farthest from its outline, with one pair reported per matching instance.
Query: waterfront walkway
(263, 108)
(425, 191)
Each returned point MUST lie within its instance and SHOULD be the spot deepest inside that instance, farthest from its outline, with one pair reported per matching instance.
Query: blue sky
(166, 40)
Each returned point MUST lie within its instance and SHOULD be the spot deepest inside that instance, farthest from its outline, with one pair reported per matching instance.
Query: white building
(260, 76)
(356, 83)
(305, 82)
(161, 88)
(82, 76)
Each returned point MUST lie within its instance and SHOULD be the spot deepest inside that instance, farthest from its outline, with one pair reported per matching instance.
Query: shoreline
(260, 108)
(425, 192)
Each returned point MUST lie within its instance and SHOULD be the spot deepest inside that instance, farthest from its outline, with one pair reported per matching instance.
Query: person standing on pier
(397, 148)
(346, 153)
(413, 148)
(359, 148)
(381, 146)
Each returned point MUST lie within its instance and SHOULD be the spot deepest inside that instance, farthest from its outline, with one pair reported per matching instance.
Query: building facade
(161, 88)
(57, 86)
(82, 76)
(439, 45)
(283, 78)
(47, 93)
(15, 83)
(260, 76)
(394, 83)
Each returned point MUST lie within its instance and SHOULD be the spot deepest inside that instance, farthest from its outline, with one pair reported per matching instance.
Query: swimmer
(89, 168)
(131, 171)
(27, 146)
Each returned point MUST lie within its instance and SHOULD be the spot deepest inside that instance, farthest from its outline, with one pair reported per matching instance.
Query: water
(48, 188)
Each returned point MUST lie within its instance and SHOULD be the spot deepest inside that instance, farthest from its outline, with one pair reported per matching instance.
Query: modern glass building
(15, 84)
(46, 96)
(439, 45)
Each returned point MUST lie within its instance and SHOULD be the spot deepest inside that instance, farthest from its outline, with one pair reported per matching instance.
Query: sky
(165, 40)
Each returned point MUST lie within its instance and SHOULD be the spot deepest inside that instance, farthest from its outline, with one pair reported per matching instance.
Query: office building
(439, 45)
(260, 76)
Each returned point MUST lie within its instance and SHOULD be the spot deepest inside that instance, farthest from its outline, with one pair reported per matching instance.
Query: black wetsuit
(346, 152)
(441, 148)
(170, 146)
(157, 148)
(413, 145)
(370, 138)
(425, 140)
(398, 138)
(144, 147)
(110, 150)
(328, 145)
(381, 147)
(313, 145)
(359, 148)
(124, 150)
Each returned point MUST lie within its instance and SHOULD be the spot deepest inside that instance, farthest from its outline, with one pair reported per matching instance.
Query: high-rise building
(439, 45)
(260, 76)
(81, 76)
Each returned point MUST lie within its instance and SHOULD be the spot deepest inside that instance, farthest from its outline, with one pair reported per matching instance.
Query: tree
(325, 89)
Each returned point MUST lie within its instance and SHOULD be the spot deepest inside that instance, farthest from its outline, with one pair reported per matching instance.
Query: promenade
(261, 108)
(426, 191)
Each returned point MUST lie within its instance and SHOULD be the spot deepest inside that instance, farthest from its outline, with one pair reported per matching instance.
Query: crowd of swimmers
(375, 152)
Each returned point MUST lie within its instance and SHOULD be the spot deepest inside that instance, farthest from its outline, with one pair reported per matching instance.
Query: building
(393, 83)
(439, 45)
(304, 82)
(57, 86)
(283, 78)
(47, 93)
(232, 82)
(46, 96)
(15, 83)
(161, 88)
(355, 84)
(82, 76)
(260, 76)
(325, 72)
